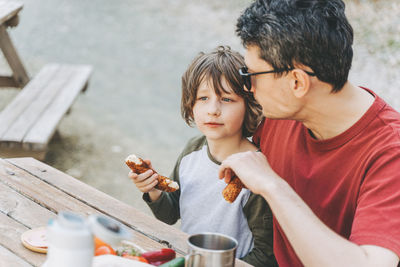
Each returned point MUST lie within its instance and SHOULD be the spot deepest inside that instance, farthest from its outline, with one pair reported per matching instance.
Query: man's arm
(314, 243)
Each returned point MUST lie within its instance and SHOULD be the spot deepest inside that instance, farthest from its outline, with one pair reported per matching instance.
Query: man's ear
(300, 83)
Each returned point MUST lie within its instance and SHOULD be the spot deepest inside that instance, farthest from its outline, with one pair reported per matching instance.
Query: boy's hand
(146, 182)
(140, 166)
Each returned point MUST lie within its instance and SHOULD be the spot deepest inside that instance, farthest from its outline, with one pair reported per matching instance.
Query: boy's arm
(166, 208)
(259, 219)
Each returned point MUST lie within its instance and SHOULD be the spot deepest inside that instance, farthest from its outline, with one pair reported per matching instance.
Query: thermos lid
(70, 220)
(108, 230)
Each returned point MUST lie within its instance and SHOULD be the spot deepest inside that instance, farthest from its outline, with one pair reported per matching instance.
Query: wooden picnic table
(33, 192)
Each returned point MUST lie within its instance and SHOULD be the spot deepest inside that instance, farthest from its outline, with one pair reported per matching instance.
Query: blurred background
(139, 50)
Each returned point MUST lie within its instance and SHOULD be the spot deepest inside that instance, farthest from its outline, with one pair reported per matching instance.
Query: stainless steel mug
(211, 250)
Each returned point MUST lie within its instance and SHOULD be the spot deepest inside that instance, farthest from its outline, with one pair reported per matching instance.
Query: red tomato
(137, 258)
(98, 243)
(102, 250)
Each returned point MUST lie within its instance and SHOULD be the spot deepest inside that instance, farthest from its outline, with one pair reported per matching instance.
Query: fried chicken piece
(232, 190)
(137, 165)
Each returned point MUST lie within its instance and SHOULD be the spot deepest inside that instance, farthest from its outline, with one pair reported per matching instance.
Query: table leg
(19, 74)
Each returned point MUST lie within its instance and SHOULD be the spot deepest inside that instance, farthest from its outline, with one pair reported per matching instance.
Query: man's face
(272, 93)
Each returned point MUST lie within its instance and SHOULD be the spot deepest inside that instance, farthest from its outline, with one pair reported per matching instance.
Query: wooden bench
(30, 120)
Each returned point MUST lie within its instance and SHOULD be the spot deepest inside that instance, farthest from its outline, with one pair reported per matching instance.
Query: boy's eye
(225, 99)
(202, 98)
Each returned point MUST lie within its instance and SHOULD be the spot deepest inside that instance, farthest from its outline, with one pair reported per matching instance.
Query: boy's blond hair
(221, 62)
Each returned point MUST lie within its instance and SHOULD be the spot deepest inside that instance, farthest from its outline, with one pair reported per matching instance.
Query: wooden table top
(32, 192)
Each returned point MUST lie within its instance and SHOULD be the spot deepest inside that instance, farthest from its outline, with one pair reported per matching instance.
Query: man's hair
(313, 33)
(212, 67)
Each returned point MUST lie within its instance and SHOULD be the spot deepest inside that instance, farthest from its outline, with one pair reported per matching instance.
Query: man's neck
(331, 114)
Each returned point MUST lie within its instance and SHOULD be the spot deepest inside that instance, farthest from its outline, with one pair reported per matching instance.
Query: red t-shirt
(351, 181)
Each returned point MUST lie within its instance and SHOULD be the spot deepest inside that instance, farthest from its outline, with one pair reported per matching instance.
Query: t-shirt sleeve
(377, 216)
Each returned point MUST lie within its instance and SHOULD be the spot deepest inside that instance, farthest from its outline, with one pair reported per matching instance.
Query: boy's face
(272, 93)
(218, 117)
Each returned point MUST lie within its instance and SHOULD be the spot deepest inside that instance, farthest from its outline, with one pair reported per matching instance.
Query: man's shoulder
(387, 121)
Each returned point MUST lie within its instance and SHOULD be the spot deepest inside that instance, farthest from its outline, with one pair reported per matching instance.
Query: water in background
(139, 50)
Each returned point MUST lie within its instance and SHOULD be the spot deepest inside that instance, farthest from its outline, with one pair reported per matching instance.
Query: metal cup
(211, 249)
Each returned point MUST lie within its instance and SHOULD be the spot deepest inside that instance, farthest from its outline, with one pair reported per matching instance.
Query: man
(330, 161)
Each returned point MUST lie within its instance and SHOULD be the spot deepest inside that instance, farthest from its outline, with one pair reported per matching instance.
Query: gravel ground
(139, 50)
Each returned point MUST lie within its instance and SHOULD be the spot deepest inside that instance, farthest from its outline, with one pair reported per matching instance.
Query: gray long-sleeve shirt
(200, 206)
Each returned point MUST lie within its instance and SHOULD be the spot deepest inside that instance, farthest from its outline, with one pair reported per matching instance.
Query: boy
(213, 100)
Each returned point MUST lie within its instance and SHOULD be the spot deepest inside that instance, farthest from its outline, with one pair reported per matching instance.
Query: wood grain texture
(40, 133)
(23, 210)
(10, 233)
(40, 100)
(15, 108)
(7, 258)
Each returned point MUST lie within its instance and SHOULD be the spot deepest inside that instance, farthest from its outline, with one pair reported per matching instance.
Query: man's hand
(252, 168)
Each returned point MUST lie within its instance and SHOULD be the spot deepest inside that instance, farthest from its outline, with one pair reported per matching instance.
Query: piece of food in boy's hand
(137, 165)
(232, 190)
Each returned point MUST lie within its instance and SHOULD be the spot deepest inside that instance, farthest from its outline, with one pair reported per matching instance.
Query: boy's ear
(300, 83)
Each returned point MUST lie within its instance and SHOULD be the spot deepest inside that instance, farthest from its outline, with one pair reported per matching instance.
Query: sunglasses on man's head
(246, 76)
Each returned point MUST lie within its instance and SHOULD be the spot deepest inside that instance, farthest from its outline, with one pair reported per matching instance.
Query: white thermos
(70, 238)
(70, 242)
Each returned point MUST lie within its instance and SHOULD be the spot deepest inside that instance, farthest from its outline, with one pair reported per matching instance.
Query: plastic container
(71, 238)
(70, 242)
